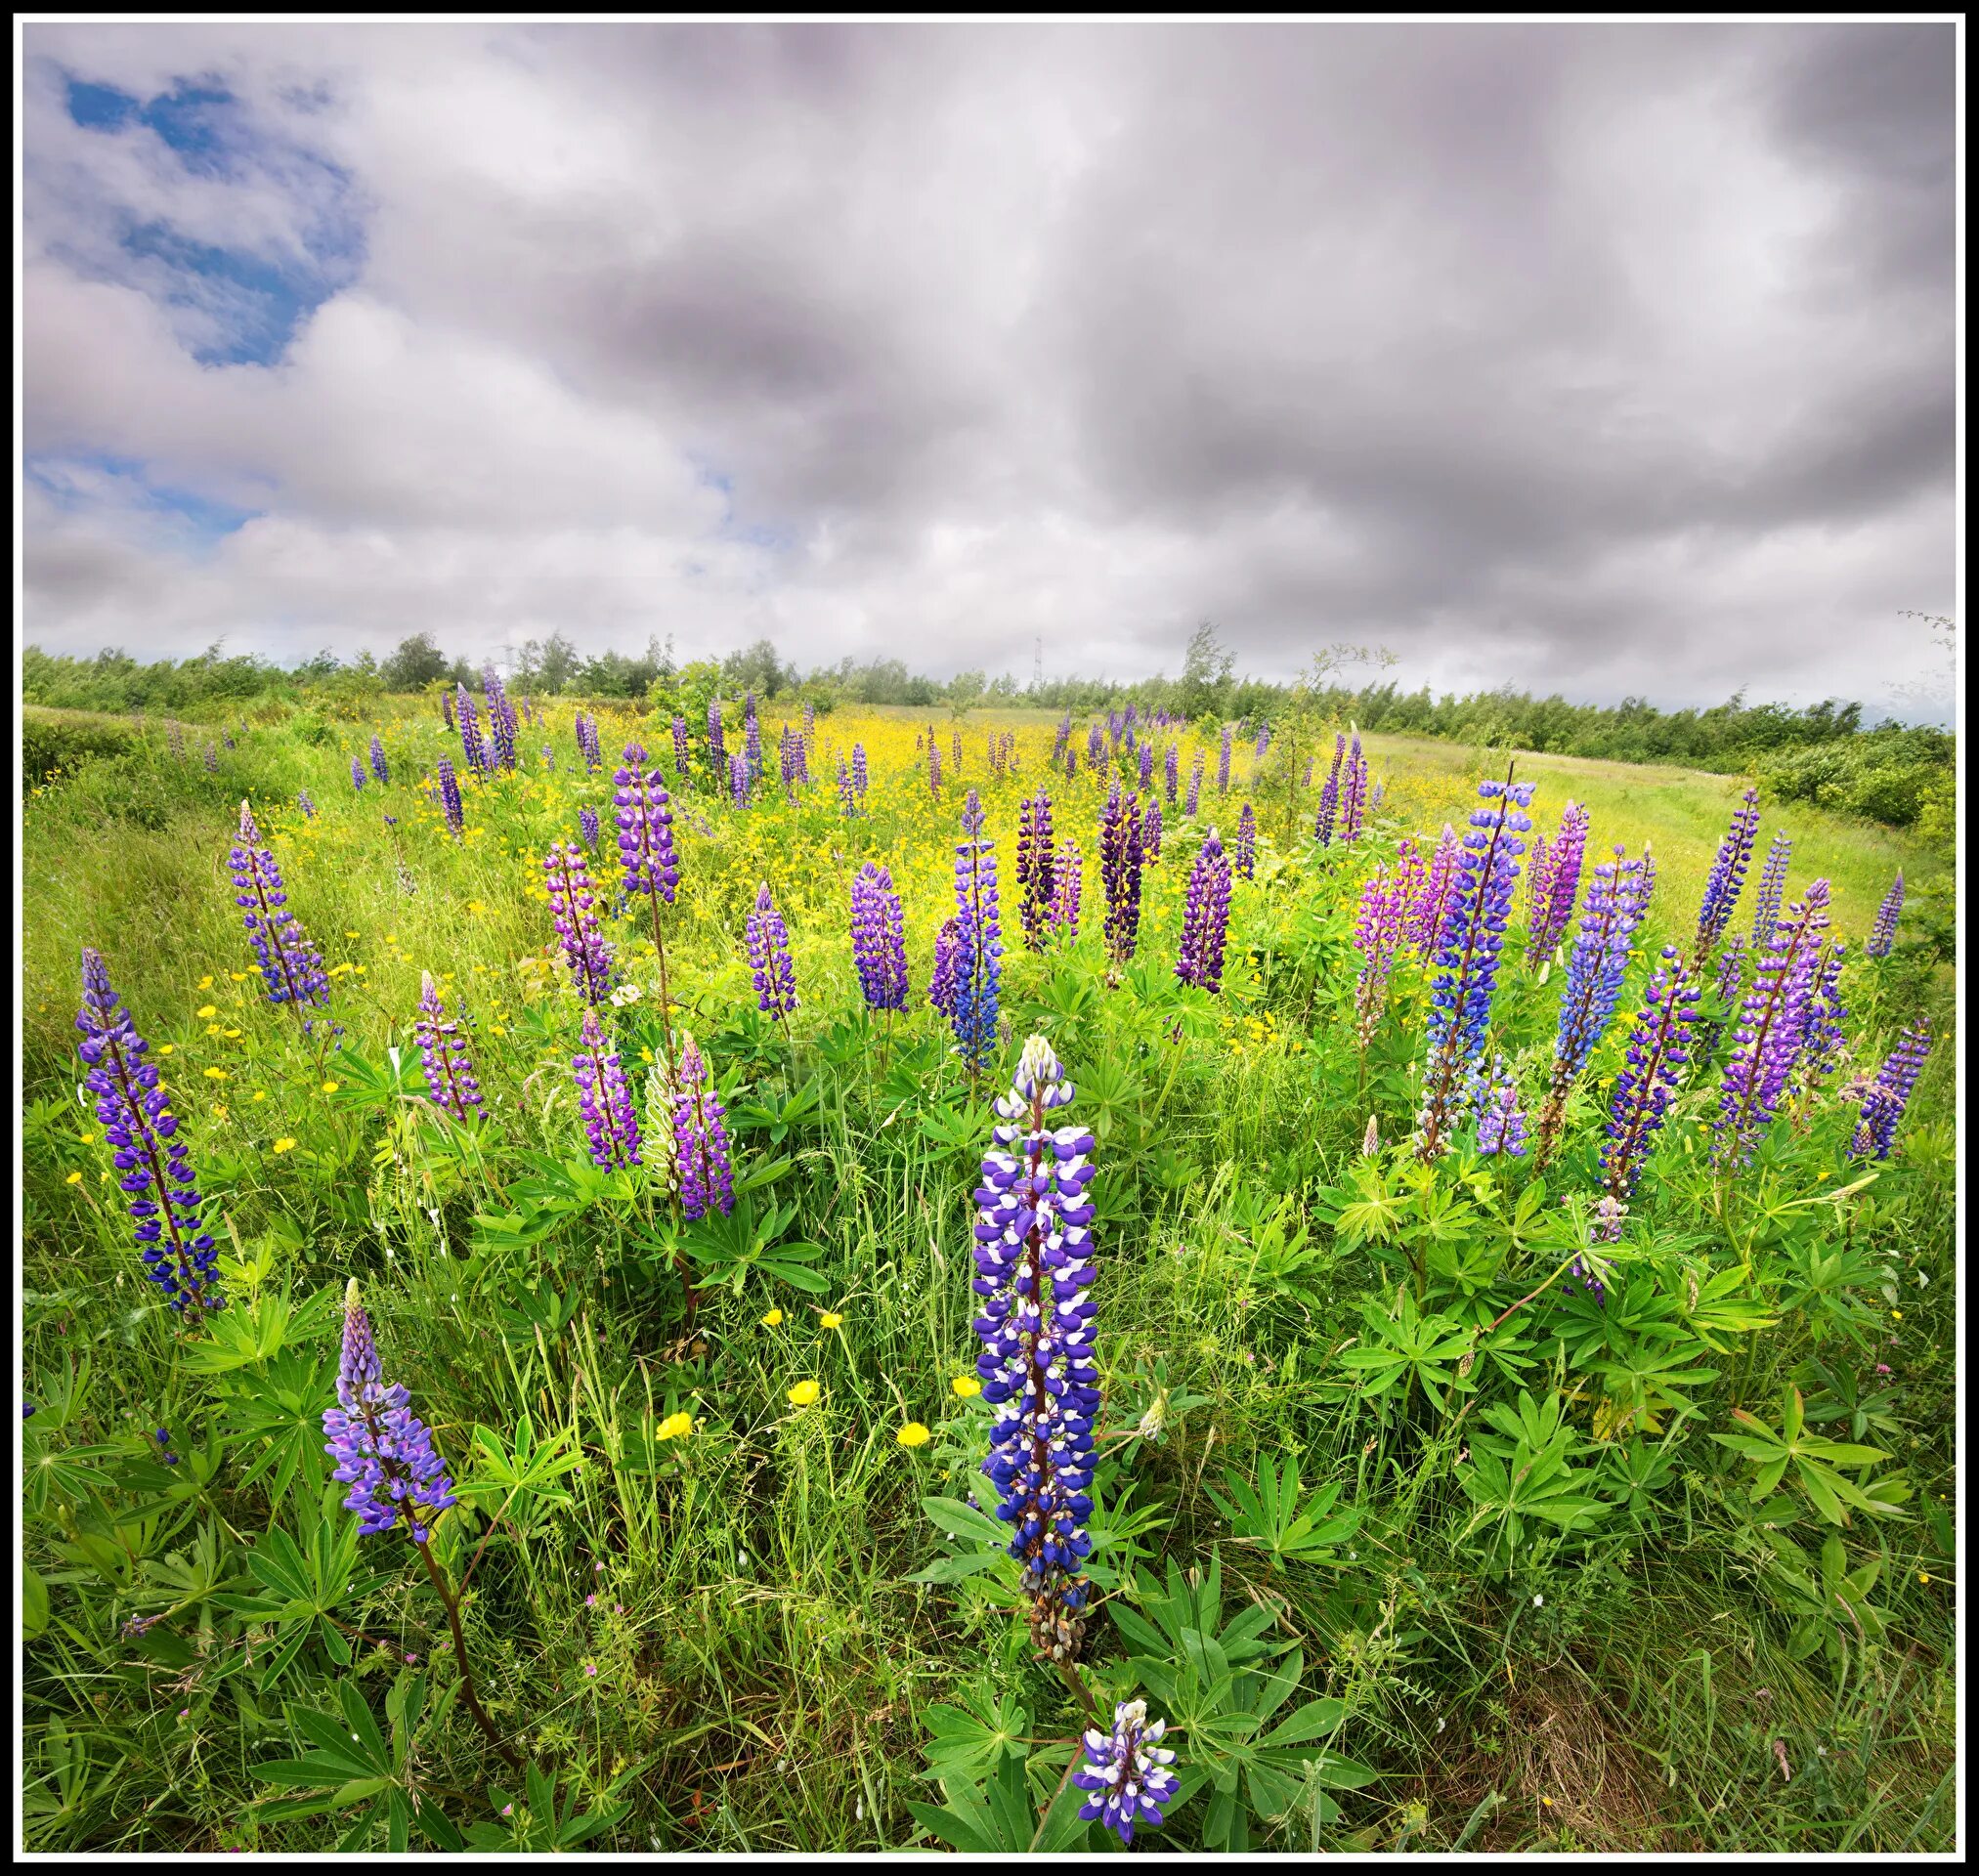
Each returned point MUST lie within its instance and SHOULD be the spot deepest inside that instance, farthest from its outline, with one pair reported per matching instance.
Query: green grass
(764, 1662)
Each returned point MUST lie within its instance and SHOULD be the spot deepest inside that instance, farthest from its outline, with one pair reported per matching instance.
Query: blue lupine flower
(1727, 876)
(1127, 1771)
(384, 1451)
(978, 940)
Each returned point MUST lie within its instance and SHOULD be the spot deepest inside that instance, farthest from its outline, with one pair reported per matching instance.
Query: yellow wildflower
(830, 1319)
(284, 1145)
(330, 1087)
(803, 1393)
(674, 1426)
(205, 1010)
(75, 1178)
(914, 1433)
(774, 1317)
(966, 1387)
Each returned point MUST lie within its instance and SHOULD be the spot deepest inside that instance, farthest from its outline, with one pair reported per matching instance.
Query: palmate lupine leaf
(1813, 1464)
(1271, 1516)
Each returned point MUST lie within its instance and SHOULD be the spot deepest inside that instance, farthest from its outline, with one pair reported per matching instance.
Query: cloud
(1614, 359)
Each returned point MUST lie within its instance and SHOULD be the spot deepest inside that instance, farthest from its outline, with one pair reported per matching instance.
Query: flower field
(847, 1281)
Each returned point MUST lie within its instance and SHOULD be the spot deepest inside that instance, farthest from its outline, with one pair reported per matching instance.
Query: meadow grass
(757, 1670)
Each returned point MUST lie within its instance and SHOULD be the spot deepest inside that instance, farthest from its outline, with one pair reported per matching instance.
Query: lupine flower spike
(1120, 877)
(291, 967)
(1727, 876)
(770, 957)
(1883, 933)
(1246, 857)
(1127, 1771)
(611, 1120)
(879, 939)
(1206, 917)
(647, 852)
(574, 907)
(1773, 1028)
(700, 1139)
(443, 1049)
(1659, 1044)
(978, 944)
(1034, 867)
(143, 1131)
(1875, 1131)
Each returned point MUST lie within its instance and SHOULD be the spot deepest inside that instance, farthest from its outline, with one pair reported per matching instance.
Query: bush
(49, 745)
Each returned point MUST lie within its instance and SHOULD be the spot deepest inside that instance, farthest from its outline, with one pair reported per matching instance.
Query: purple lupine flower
(1557, 882)
(848, 804)
(941, 980)
(1727, 876)
(443, 1050)
(1194, 787)
(1378, 931)
(645, 820)
(700, 1139)
(1171, 772)
(737, 779)
(139, 1123)
(1594, 972)
(769, 956)
(810, 721)
(1354, 792)
(1329, 795)
(1062, 739)
(1246, 858)
(1822, 1041)
(1467, 959)
(379, 766)
(211, 757)
(1150, 832)
(1658, 1046)
(307, 804)
(751, 738)
(587, 829)
(1494, 1099)
(718, 749)
(954, 750)
(1034, 866)
(472, 751)
(384, 1451)
(1224, 762)
(1883, 933)
(611, 1120)
(934, 766)
(500, 716)
(1034, 1272)
(1430, 908)
(1145, 760)
(356, 772)
(1066, 871)
(680, 766)
(1263, 743)
(1206, 917)
(175, 736)
(1771, 1027)
(291, 967)
(878, 938)
(1772, 890)
(573, 906)
(1127, 1771)
(450, 797)
(978, 944)
(859, 771)
(1875, 1131)
(789, 747)
(1728, 992)
(447, 711)
(1120, 873)
(1095, 747)
(589, 745)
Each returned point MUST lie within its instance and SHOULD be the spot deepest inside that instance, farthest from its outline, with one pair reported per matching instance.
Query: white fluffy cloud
(1605, 359)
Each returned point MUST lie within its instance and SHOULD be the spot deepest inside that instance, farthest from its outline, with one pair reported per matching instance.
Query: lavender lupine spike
(573, 906)
(645, 821)
(769, 956)
(1354, 793)
(443, 1050)
(1429, 910)
(1727, 876)
(1206, 917)
(1170, 773)
(1034, 867)
(379, 766)
(933, 768)
(1224, 762)
(139, 1124)
(1658, 1046)
(751, 738)
(941, 980)
(1246, 855)
(291, 967)
(1034, 1274)
(1145, 759)
(1561, 883)
(848, 802)
(611, 1119)
(446, 709)
(1120, 873)
(737, 779)
(1594, 972)
(1329, 794)
(384, 1452)
(680, 751)
(978, 941)
(1194, 800)
(450, 797)
(1875, 1131)
(1467, 959)
(589, 745)
(211, 757)
(1150, 832)
(307, 804)
(1771, 1027)
(879, 939)
(1096, 747)
(954, 750)
(700, 1139)
(471, 748)
(587, 829)
(356, 772)
(1883, 933)
(1772, 890)
(1377, 934)
(1127, 1771)
(859, 771)
(1066, 873)
(501, 717)
(1823, 1038)
(1494, 1099)
(717, 748)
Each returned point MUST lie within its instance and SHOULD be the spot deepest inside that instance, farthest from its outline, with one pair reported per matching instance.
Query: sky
(1602, 360)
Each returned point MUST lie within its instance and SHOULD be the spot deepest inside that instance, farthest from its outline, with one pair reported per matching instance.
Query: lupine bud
(1329, 795)
(1658, 1046)
(769, 956)
(450, 797)
(587, 829)
(718, 749)
(859, 771)
(879, 939)
(700, 1139)
(978, 944)
(356, 772)
(384, 1452)
(1034, 1272)
(143, 1131)
(1171, 772)
(1127, 1771)
(680, 765)
(1066, 871)
(1150, 832)
(611, 1120)
(1354, 792)
(1883, 933)
(1206, 917)
(1194, 787)
(443, 1049)
(1772, 890)
(1224, 762)
(1494, 1099)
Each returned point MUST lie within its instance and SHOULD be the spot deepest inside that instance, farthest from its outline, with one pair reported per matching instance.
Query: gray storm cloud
(1608, 359)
